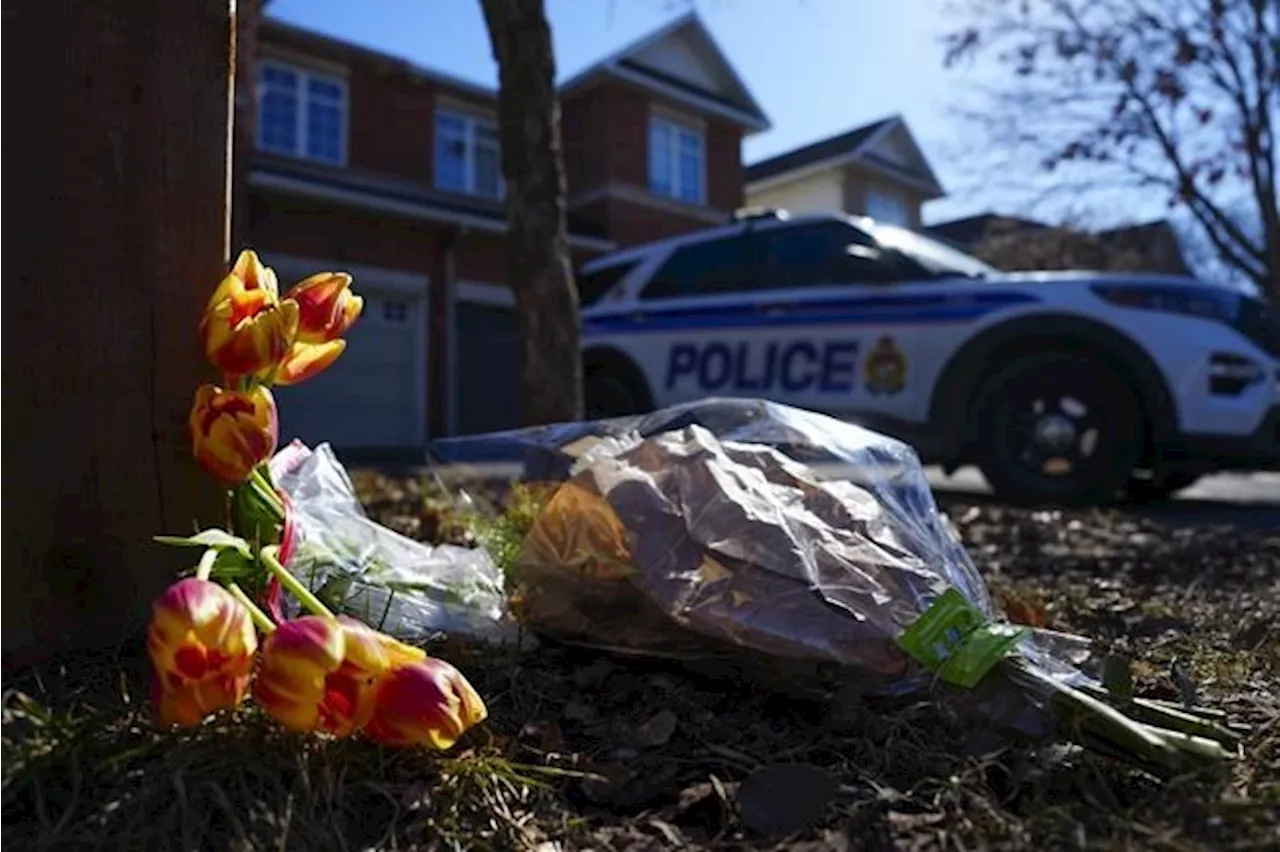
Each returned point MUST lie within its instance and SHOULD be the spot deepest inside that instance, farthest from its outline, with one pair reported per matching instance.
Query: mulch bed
(588, 751)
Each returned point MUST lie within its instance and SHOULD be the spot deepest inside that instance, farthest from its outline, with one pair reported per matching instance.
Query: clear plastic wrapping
(738, 523)
(355, 565)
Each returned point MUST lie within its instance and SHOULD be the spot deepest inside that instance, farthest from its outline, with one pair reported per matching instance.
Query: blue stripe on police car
(870, 310)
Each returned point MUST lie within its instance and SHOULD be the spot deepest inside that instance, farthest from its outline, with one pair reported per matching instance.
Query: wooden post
(116, 231)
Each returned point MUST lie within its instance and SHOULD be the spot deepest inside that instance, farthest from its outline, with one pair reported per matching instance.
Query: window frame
(675, 127)
(470, 120)
(302, 98)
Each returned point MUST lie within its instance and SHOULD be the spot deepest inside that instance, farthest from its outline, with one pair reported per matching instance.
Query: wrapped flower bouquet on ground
(790, 542)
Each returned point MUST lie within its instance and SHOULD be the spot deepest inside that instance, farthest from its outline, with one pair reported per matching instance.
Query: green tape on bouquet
(956, 641)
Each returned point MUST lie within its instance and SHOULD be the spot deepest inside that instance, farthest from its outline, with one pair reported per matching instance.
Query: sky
(817, 67)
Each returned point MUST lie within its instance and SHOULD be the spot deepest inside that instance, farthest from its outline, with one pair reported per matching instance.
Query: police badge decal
(885, 368)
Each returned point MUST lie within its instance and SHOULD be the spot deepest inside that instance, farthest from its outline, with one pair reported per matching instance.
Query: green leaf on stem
(214, 538)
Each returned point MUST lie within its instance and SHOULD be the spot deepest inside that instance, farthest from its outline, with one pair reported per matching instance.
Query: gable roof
(856, 145)
(707, 81)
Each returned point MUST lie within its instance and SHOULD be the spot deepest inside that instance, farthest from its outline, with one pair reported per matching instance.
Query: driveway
(1252, 499)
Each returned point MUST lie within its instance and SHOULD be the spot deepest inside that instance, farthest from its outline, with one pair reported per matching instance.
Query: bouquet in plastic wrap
(367, 571)
(747, 529)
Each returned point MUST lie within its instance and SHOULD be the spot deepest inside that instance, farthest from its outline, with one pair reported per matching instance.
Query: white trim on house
(898, 177)
(420, 211)
(848, 158)
(305, 73)
(802, 172)
(380, 280)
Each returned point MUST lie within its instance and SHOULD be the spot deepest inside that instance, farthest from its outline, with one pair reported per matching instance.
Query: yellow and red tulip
(246, 327)
(305, 360)
(232, 432)
(326, 306)
(428, 702)
(201, 641)
(319, 673)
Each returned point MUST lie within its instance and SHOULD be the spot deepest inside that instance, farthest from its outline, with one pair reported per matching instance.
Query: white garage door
(373, 397)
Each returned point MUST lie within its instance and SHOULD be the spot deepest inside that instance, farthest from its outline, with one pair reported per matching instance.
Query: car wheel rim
(1054, 436)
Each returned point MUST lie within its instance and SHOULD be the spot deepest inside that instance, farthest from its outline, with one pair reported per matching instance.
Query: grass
(579, 751)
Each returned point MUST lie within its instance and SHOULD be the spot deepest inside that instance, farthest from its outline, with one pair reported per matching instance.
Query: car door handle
(775, 310)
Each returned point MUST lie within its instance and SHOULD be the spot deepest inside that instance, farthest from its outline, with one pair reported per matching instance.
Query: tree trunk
(248, 17)
(538, 265)
(117, 230)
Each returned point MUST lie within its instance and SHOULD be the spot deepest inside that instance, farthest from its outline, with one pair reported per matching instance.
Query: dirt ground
(587, 751)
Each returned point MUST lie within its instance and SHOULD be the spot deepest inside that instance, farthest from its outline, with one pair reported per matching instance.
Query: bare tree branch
(1180, 94)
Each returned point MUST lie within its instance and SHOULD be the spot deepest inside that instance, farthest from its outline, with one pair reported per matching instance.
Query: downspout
(451, 323)
(442, 294)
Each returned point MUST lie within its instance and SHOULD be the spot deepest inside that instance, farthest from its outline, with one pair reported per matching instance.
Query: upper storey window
(302, 113)
(677, 160)
(468, 157)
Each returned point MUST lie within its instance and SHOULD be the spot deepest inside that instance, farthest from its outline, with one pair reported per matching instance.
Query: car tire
(1161, 486)
(606, 394)
(1057, 428)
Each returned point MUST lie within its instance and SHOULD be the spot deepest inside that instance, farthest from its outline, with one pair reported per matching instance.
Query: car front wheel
(1057, 428)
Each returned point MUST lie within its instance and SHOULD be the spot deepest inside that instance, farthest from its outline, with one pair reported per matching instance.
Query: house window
(468, 156)
(676, 161)
(888, 207)
(302, 113)
(395, 312)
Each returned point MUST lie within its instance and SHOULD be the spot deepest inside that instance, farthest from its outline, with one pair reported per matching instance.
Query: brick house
(876, 170)
(354, 159)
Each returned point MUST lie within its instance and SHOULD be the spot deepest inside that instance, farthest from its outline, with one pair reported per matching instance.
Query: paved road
(1249, 499)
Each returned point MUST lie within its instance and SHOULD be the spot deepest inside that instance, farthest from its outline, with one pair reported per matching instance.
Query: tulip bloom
(305, 360)
(246, 328)
(201, 642)
(326, 306)
(232, 432)
(319, 673)
(424, 703)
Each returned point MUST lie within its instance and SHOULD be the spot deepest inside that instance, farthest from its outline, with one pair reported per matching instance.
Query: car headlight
(1205, 302)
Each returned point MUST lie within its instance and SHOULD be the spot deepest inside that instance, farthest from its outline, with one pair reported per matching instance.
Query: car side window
(724, 265)
(823, 253)
(593, 286)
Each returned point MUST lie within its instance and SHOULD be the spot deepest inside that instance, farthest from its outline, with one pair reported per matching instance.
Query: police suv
(1060, 386)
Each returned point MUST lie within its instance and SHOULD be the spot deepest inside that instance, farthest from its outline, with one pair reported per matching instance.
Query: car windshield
(938, 258)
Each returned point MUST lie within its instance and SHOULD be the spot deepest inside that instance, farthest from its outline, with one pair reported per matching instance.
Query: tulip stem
(261, 483)
(292, 584)
(205, 568)
(260, 618)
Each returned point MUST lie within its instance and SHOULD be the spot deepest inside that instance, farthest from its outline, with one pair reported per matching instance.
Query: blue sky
(817, 67)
